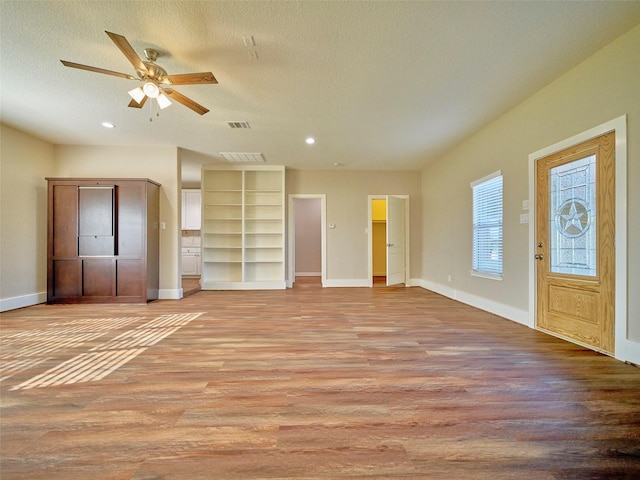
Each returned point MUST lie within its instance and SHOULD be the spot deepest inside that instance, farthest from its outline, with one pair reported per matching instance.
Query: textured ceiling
(380, 85)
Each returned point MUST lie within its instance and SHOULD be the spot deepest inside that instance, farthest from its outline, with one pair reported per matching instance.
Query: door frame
(291, 236)
(370, 236)
(625, 349)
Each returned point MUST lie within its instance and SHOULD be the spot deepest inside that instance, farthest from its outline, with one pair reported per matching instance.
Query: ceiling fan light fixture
(137, 94)
(152, 75)
(151, 90)
(163, 101)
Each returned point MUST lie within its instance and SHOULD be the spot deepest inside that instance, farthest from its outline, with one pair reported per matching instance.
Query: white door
(293, 226)
(396, 255)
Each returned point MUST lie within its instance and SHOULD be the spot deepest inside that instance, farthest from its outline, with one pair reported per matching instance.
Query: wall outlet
(449, 279)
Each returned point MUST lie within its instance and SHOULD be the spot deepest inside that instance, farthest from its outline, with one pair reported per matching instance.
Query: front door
(396, 256)
(575, 244)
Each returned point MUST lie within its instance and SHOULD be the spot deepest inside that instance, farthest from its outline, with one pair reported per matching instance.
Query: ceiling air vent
(241, 157)
(238, 124)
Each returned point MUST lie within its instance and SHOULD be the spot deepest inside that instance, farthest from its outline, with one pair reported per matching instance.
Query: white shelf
(243, 227)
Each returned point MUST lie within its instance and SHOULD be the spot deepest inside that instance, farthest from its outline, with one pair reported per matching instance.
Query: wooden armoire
(102, 240)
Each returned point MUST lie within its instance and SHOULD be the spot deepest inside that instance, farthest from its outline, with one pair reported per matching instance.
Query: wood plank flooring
(307, 383)
(190, 285)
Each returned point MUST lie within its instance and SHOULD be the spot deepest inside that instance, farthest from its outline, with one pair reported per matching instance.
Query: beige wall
(602, 88)
(24, 163)
(347, 208)
(161, 164)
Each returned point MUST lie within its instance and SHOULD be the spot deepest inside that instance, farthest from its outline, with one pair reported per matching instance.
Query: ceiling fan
(157, 84)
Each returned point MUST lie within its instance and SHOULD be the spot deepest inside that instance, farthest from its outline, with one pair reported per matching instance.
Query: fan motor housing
(154, 72)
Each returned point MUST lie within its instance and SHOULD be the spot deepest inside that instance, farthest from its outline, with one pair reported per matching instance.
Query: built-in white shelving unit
(243, 227)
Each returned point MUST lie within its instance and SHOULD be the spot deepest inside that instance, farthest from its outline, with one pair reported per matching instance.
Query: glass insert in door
(572, 219)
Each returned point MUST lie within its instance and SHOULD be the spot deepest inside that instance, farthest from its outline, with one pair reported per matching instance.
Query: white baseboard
(515, 314)
(363, 282)
(435, 287)
(630, 353)
(308, 274)
(510, 313)
(353, 282)
(346, 282)
(22, 301)
(170, 294)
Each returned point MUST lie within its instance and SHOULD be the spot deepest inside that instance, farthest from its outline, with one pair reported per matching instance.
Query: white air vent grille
(238, 124)
(241, 157)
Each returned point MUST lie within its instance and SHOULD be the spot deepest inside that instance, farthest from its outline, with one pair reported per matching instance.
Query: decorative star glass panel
(572, 219)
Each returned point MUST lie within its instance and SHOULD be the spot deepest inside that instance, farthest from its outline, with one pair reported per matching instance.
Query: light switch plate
(524, 218)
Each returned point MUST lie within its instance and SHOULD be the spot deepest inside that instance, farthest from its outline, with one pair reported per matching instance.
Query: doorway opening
(306, 249)
(388, 233)
(379, 241)
(625, 348)
(575, 232)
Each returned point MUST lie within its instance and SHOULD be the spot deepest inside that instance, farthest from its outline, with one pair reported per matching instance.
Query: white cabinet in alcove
(191, 209)
(191, 261)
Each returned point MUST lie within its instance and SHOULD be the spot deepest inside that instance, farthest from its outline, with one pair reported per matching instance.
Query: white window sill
(490, 276)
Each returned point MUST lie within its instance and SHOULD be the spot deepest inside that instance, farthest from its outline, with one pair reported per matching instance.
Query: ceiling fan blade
(134, 104)
(189, 78)
(126, 48)
(97, 70)
(187, 102)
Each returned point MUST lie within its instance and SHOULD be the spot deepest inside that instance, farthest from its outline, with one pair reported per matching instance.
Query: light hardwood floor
(190, 285)
(307, 383)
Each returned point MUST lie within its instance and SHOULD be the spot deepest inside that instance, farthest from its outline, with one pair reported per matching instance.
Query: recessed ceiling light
(108, 125)
(310, 140)
(337, 164)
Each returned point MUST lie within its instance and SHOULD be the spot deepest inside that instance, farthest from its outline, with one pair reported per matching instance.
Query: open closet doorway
(379, 241)
(388, 239)
(307, 245)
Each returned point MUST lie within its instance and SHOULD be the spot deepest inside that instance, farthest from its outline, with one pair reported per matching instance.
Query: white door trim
(291, 243)
(625, 349)
(407, 216)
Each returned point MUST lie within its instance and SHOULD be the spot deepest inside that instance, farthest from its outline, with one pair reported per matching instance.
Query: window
(487, 226)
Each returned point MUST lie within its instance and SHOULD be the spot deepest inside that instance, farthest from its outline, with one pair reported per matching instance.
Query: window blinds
(487, 225)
